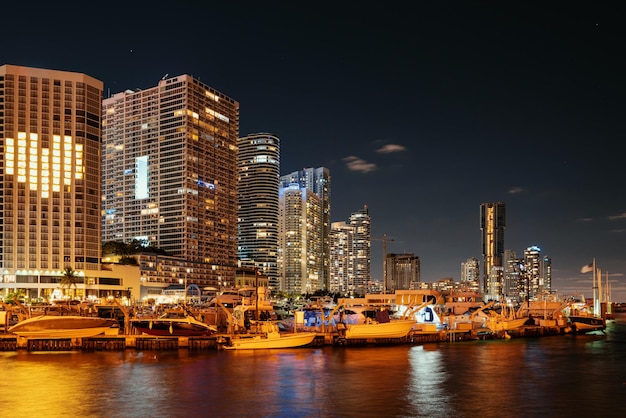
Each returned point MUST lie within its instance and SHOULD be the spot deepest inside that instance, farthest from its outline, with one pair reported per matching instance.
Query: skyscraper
(362, 223)
(470, 275)
(299, 241)
(403, 272)
(513, 269)
(545, 284)
(533, 263)
(492, 225)
(49, 176)
(342, 260)
(259, 170)
(170, 175)
(316, 180)
(350, 254)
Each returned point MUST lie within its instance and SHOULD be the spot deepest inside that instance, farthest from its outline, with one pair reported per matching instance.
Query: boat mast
(596, 309)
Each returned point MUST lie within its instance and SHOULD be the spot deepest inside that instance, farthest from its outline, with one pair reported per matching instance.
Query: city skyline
(420, 113)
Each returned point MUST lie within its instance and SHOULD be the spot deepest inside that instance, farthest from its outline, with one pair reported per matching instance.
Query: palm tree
(69, 279)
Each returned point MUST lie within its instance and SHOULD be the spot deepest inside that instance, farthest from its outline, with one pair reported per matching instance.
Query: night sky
(421, 110)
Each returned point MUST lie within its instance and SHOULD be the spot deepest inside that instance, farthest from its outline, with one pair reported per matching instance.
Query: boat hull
(393, 329)
(172, 328)
(263, 342)
(587, 323)
(508, 324)
(69, 326)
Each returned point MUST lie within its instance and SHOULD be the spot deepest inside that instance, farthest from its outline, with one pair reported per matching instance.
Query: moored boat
(397, 328)
(62, 326)
(587, 323)
(174, 324)
(270, 338)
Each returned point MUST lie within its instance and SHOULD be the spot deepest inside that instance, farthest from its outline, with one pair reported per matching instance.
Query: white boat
(62, 326)
(397, 328)
(270, 338)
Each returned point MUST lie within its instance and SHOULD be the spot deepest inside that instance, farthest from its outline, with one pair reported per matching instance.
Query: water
(559, 376)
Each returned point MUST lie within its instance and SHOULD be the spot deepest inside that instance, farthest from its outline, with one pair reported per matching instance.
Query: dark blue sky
(421, 110)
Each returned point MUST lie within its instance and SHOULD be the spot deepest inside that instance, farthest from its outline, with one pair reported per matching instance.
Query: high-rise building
(316, 180)
(169, 157)
(257, 236)
(350, 254)
(361, 221)
(532, 271)
(403, 271)
(299, 241)
(50, 131)
(545, 284)
(492, 225)
(470, 275)
(342, 260)
(513, 268)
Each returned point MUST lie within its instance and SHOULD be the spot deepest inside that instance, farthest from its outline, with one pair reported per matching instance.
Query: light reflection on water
(547, 377)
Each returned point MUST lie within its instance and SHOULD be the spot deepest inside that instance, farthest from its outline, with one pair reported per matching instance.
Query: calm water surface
(562, 376)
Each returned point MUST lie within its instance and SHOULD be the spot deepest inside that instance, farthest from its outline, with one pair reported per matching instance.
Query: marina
(10, 342)
(405, 317)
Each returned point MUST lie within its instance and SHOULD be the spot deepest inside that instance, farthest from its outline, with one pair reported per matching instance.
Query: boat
(504, 319)
(62, 326)
(587, 323)
(398, 328)
(269, 337)
(173, 323)
(505, 324)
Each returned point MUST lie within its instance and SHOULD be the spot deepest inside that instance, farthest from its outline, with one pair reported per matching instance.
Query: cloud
(620, 216)
(515, 190)
(357, 164)
(389, 148)
(584, 219)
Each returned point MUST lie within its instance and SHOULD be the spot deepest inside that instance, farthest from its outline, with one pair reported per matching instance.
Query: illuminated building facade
(299, 242)
(169, 164)
(470, 275)
(492, 225)
(317, 180)
(533, 271)
(546, 276)
(49, 178)
(257, 236)
(361, 221)
(513, 268)
(342, 258)
(350, 254)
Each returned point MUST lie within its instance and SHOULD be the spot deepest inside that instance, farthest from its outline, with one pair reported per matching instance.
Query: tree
(70, 279)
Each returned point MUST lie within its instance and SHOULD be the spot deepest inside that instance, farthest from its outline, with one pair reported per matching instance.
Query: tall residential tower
(299, 241)
(49, 176)
(259, 170)
(350, 254)
(170, 176)
(317, 180)
(492, 225)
